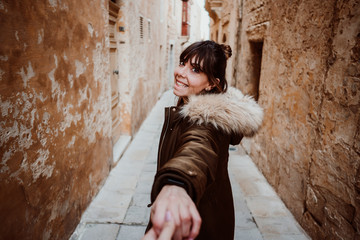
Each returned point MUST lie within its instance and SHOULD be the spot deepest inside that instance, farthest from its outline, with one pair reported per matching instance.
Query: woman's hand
(183, 211)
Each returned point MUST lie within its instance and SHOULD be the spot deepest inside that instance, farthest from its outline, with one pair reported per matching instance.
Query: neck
(182, 101)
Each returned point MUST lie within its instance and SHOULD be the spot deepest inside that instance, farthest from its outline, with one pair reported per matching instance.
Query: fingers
(168, 229)
(186, 220)
(196, 222)
(166, 233)
(185, 217)
(157, 218)
(158, 212)
(150, 235)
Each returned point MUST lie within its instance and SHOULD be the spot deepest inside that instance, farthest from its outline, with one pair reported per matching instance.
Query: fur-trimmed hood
(232, 111)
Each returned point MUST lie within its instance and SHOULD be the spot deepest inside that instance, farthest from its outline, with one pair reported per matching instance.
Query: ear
(212, 86)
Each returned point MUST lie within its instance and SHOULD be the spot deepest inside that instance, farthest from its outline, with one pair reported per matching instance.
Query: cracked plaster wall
(55, 124)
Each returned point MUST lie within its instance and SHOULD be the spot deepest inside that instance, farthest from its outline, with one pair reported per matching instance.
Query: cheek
(177, 70)
(203, 82)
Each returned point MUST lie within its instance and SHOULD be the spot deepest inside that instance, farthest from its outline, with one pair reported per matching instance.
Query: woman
(191, 192)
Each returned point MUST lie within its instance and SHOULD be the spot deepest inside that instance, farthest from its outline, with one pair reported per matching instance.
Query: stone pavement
(120, 212)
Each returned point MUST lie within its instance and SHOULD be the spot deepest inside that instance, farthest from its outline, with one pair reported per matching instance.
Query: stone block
(137, 215)
(100, 231)
(279, 226)
(266, 207)
(144, 187)
(140, 199)
(104, 215)
(248, 234)
(121, 182)
(131, 232)
(112, 199)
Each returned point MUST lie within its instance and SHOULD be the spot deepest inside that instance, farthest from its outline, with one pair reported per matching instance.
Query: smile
(181, 84)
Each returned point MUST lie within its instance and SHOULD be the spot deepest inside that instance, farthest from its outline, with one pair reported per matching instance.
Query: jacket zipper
(163, 137)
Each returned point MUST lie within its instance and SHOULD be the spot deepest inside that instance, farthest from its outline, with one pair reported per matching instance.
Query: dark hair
(210, 57)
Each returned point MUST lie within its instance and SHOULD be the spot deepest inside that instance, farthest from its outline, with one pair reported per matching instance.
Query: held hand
(166, 233)
(183, 210)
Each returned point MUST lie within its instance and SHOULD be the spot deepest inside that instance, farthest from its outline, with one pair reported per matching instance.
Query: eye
(195, 69)
(181, 63)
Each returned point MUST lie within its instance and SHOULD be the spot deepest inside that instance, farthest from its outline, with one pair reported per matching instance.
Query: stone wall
(55, 125)
(147, 62)
(301, 60)
(308, 147)
(140, 79)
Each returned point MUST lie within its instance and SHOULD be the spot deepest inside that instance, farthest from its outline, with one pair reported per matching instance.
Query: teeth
(181, 84)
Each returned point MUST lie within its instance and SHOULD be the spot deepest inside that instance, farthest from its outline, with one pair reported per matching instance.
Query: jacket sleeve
(193, 165)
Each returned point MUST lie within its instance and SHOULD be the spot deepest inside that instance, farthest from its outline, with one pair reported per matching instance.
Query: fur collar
(231, 112)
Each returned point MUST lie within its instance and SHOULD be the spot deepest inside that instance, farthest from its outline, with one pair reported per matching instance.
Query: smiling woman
(192, 183)
(190, 79)
(201, 69)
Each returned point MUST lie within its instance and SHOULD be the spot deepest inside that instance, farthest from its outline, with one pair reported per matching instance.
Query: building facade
(301, 61)
(77, 78)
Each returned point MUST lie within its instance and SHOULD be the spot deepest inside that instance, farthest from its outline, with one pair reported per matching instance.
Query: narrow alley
(120, 209)
(83, 85)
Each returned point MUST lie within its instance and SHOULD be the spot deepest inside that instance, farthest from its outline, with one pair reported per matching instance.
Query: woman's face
(189, 80)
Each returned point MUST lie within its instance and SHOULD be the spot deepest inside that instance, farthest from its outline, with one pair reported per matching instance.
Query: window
(256, 56)
(141, 28)
(185, 25)
(224, 38)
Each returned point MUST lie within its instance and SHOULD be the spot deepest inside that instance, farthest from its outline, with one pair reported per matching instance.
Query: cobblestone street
(120, 209)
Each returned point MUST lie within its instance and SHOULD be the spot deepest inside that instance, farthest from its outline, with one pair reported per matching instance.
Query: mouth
(181, 84)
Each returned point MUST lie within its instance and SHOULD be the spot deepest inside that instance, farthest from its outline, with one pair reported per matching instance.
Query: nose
(181, 71)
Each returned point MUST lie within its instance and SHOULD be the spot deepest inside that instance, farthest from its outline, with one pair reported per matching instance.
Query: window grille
(141, 27)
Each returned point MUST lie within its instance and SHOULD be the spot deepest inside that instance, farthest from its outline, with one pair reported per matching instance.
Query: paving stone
(100, 232)
(104, 215)
(278, 226)
(126, 168)
(137, 215)
(285, 237)
(121, 183)
(112, 199)
(140, 199)
(147, 176)
(256, 187)
(150, 166)
(137, 154)
(131, 232)
(144, 187)
(243, 218)
(266, 207)
(247, 234)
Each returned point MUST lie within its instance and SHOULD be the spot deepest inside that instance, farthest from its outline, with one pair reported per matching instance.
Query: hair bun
(227, 50)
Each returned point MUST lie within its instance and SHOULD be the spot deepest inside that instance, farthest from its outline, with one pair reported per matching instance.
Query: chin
(174, 91)
(178, 93)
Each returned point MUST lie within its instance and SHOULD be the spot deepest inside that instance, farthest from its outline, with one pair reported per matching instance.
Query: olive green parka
(193, 153)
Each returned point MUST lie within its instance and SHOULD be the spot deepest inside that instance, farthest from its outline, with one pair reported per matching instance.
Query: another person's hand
(183, 211)
(166, 233)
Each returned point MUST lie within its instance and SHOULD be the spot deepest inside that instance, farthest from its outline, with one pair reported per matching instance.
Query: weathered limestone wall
(309, 87)
(55, 124)
(225, 29)
(301, 59)
(254, 24)
(144, 59)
